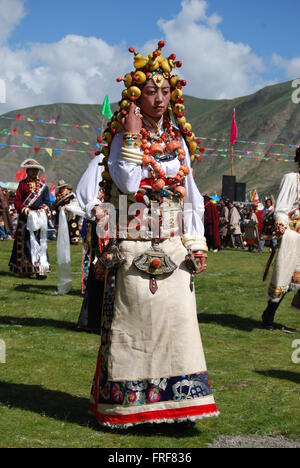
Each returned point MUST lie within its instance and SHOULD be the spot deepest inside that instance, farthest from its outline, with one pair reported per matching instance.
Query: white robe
(286, 274)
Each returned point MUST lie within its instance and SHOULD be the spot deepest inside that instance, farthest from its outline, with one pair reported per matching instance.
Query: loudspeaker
(240, 192)
(228, 187)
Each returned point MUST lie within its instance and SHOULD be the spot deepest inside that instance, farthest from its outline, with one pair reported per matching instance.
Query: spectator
(251, 229)
(235, 226)
(268, 225)
(224, 221)
(3, 234)
(211, 224)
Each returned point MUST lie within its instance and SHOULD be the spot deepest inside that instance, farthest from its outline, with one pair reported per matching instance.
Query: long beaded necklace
(165, 146)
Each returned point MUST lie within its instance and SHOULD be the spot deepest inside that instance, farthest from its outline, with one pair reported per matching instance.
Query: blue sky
(252, 43)
(266, 25)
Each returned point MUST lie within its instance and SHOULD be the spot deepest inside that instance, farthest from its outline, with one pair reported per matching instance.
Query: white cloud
(291, 67)
(11, 13)
(214, 67)
(83, 69)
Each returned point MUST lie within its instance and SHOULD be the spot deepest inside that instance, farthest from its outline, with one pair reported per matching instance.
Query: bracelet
(132, 155)
(132, 139)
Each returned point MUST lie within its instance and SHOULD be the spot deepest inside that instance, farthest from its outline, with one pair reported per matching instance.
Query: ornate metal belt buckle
(155, 262)
(112, 257)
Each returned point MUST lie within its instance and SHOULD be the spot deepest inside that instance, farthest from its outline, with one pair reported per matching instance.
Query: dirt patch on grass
(255, 442)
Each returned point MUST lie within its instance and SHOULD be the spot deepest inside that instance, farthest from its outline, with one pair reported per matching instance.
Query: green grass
(45, 384)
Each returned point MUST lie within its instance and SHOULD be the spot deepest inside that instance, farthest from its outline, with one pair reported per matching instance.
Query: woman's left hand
(202, 265)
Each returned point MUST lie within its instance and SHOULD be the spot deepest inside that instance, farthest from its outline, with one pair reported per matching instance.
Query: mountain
(266, 116)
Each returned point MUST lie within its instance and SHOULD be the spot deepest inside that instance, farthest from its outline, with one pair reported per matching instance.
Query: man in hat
(286, 274)
(29, 256)
(65, 197)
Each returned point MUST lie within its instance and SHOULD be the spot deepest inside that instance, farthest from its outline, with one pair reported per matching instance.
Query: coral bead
(156, 263)
(161, 173)
(131, 50)
(156, 148)
(159, 184)
(161, 44)
(172, 146)
(146, 160)
(180, 191)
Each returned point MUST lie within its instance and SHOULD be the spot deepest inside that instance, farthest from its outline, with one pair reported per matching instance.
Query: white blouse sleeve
(288, 195)
(88, 187)
(193, 205)
(127, 176)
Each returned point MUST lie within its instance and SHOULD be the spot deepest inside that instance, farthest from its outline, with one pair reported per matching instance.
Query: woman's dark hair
(297, 157)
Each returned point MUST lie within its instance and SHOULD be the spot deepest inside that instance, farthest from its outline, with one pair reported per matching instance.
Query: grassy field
(45, 384)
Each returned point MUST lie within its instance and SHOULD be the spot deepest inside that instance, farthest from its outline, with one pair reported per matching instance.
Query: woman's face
(32, 173)
(154, 101)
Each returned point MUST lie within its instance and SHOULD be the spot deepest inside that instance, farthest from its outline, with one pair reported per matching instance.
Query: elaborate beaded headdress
(157, 68)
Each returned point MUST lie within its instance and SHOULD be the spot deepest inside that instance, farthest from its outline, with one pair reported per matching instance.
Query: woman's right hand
(133, 121)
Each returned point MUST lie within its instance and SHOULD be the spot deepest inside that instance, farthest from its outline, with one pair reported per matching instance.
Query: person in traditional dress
(30, 256)
(4, 211)
(286, 274)
(211, 224)
(89, 194)
(251, 237)
(224, 222)
(64, 198)
(235, 226)
(151, 366)
(267, 234)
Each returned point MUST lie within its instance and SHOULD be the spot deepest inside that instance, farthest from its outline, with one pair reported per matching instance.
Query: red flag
(234, 129)
(19, 117)
(21, 174)
(36, 150)
(15, 131)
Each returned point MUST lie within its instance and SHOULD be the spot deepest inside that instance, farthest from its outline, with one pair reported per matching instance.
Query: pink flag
(234, 129)
(52, 190)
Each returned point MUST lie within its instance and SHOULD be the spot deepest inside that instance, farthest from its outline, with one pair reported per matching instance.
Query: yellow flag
(29, 119)
(85, 126)
(49, 151)
(27, 134)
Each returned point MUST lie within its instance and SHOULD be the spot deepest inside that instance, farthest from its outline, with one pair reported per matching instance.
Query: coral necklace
(154, 147)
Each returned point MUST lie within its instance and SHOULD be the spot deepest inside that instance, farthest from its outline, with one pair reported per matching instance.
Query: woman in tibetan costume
(151, 366)
(30, 256)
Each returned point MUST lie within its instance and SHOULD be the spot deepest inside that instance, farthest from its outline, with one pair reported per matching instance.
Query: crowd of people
(239, 225)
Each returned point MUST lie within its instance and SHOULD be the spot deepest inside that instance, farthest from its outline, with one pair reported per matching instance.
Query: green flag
(105, 109)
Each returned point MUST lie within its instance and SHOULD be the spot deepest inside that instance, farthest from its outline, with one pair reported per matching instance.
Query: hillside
(268, 116)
